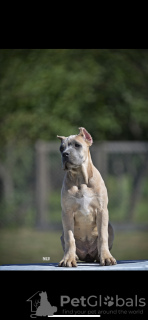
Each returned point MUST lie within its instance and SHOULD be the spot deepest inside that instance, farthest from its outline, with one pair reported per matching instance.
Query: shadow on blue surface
(79, 263)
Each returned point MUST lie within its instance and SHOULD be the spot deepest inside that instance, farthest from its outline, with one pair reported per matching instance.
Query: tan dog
(87, 233)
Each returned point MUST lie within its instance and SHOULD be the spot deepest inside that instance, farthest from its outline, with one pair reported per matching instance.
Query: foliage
(54, 91)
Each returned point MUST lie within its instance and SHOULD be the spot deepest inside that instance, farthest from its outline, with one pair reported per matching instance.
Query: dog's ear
(86, 136)
(61, 137)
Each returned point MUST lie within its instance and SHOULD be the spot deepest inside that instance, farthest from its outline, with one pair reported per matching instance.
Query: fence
(31, 179)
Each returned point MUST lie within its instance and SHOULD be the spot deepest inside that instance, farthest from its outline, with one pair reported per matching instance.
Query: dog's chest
(84, 204)
(84, 199)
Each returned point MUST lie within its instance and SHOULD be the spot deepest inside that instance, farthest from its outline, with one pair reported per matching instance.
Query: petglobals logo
(41, 305)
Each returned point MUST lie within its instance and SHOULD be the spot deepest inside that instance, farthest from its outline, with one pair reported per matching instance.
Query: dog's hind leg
(110, 235)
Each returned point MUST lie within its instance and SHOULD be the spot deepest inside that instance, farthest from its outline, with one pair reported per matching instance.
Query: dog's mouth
(67, 165)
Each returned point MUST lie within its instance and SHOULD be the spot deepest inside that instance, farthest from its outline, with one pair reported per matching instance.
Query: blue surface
(82, 266)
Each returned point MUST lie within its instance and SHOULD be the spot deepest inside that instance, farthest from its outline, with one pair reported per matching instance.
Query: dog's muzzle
(65, 155)
(68, 161)
(65, 160)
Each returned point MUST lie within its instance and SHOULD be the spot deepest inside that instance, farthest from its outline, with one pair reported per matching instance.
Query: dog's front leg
(104, 254)
(69, 259)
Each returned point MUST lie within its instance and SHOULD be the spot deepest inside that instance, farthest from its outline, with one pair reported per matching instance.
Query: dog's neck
(82, 174)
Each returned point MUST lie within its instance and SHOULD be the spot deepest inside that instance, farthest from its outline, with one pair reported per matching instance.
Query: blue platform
(133, 265)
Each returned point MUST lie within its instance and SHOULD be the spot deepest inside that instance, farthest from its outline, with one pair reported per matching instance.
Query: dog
(87, 233)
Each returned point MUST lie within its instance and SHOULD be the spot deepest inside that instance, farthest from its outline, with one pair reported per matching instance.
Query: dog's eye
(77, 145)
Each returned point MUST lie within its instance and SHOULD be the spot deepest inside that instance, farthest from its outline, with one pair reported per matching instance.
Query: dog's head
(43, 294)
(74, 149)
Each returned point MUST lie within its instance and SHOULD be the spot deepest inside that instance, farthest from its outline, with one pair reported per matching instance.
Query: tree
(54, 91)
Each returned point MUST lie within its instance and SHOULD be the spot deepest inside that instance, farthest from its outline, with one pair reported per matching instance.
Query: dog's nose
(65, 154)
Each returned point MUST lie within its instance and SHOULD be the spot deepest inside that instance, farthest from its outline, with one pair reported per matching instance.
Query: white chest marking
(84, 203)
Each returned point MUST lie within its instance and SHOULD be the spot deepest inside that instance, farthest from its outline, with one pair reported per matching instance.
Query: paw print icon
(109, 301)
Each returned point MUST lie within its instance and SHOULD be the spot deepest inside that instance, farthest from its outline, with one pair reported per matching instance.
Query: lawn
(29, 246)
(23, 245)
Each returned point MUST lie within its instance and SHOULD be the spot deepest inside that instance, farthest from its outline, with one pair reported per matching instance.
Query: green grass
(30, 246)
(131, 245)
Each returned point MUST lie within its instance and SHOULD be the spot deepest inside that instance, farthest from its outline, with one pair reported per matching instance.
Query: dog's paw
(68, 261)
(106, 259)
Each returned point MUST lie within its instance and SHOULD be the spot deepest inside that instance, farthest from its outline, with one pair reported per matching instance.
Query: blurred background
(45, 92)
